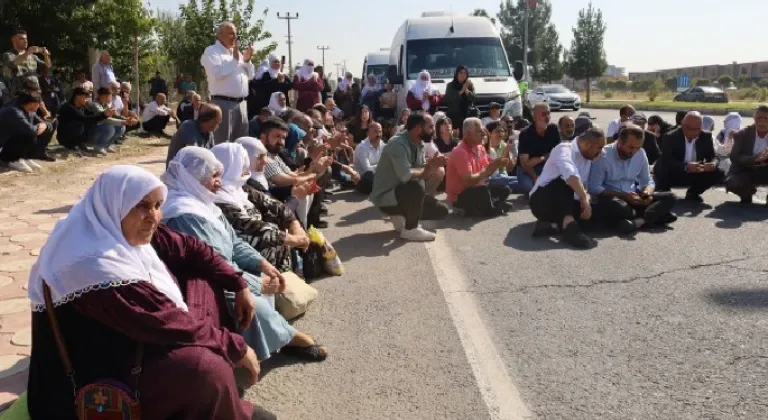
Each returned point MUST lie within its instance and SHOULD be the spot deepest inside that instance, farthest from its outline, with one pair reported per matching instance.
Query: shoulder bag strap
(64, 354)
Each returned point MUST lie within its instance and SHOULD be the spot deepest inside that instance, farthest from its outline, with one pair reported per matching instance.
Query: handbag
(103, 399)
(296, 298)
(472, 111)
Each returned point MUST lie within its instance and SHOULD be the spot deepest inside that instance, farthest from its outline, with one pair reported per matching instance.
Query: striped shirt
(275, 166)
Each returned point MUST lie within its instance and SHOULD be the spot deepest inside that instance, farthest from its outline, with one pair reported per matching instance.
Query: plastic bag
(332, 262)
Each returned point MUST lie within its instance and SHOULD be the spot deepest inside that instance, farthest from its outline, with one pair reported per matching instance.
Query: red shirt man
(465, 159)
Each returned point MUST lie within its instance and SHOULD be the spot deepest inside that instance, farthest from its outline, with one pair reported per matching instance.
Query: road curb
(618, 105)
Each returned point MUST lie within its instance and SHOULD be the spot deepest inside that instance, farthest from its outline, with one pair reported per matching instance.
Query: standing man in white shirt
(156, 116)
(228, 71)
(367, 156)
(559, 196)
(102, 73)
(625, 113)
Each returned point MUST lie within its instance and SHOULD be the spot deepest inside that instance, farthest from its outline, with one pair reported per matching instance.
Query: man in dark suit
(688, 159)
(749, 158)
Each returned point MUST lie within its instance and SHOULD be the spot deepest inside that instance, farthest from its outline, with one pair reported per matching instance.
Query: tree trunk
(589, 89)
(93, 57)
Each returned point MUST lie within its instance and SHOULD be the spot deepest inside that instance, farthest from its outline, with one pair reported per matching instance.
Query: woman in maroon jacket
(308, 86)
(118, 280)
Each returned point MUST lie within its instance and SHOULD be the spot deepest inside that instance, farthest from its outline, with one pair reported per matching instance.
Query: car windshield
(483, 57)
(379, 70)
(556, 89)
(711, 90)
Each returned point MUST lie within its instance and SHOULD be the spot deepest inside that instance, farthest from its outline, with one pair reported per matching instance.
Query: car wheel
(576, 108)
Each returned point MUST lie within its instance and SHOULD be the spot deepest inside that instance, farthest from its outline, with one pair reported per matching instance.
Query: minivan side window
(400, 61)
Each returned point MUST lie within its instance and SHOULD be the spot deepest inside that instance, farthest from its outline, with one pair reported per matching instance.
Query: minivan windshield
(483, 56)
(379, 70)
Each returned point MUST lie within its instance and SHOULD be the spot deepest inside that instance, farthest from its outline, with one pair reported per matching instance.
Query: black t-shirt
(444, 147)
(533, 145)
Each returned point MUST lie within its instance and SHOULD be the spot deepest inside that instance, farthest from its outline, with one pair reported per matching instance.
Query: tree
(484, 13)
(621, 85)
(587, 55)
(763, 83)
(725, 80)
(702, 82)
(671, 83)
(550, 51)
(199, 25)
(654, 89)
(512, 20)
(744, 81)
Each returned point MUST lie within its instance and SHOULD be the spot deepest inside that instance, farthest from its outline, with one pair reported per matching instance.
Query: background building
(755, 71)
(613, 71)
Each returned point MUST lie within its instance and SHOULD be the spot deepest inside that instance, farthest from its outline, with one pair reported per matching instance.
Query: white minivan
(439, 42)
(376, 63)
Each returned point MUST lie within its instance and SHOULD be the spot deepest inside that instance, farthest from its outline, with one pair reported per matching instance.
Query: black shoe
(324, 212)
(625, 227)
(694, 198)
(321, 224)
(543, 229)
(329, 193)
(746, 199)
(669, 218)
(574, 237)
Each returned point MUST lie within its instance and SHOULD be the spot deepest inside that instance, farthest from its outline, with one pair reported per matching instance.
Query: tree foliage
(550, 52)
(586, 59)
(654, 89)
(185, 41)
(512, 20)
(725, 80)
(671, 83)
(484, 13)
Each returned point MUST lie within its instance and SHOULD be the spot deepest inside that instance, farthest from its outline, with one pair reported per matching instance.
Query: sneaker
(625, 227)
(46, 158)
(99, 152)
(667, 219)
(418, 235)
(694, 198)
(573, 236)
(398, 222)
(320, 224)
(20, 166)
(111, 149)
(32, 164)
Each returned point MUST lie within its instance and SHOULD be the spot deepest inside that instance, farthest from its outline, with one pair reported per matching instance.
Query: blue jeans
(102, 135)
(509, 181)
(525, 182)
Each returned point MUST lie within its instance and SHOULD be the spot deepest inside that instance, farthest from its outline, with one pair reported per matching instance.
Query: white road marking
(499, 393)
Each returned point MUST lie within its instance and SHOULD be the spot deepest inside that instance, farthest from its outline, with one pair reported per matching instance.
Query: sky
(642, 36)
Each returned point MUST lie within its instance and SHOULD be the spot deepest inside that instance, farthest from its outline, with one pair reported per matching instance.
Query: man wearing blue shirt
(621, 182)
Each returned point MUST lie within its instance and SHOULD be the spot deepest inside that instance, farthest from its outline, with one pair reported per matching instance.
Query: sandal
(311, 353)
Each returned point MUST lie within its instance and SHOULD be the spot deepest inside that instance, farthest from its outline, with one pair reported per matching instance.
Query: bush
(762, 95)
(725, 80)
(621, 85)
(702, 82)
(671, 83)
(763, 83)
(608, 94)
(654, 89)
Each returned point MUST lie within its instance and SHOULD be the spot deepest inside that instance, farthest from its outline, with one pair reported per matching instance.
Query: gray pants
(234, 121)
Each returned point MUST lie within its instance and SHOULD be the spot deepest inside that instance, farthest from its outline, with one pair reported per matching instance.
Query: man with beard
(625, 193)
(401, 175)
(559, 196)
(282, 178)
(567, 126)
(534, 146)
(749, 157)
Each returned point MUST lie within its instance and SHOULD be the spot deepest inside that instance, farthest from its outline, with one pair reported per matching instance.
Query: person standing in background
(157, 85)
(326, 86)
(51, 92)
(307, 85)
(459, 97)
(228, 72)
(102, 73)
(21, 61)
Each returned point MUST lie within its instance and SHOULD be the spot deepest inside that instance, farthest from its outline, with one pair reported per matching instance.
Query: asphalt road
(664, 325)
(605, 116)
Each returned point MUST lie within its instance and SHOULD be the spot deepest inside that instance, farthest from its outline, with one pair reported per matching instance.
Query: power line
(289, 18)
(324, 48)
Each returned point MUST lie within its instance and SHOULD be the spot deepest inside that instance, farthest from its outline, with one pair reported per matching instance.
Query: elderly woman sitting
(110, 270)
(193, 177)
(263, 222)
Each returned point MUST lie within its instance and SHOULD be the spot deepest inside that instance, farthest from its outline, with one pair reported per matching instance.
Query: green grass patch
(674, 106)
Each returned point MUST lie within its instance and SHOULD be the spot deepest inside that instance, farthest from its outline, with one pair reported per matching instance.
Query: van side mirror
(393, 77)
(518, 71)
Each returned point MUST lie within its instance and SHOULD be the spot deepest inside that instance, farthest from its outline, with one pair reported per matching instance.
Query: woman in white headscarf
(261, 221)
(111, 270)
(268, 80)
(307, 85)
(193, 177)
(731, 125)
(371, 91)
(423, 95)
(277, 103)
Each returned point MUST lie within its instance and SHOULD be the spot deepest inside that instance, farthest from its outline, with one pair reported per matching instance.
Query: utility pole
(530, 4)
(323, 48)
(338, 71)
(289, 18)
(345, 66)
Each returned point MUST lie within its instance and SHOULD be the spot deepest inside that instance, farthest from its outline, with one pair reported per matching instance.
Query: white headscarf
(263, 68)
(732, 122)
(274, 103)
(186, 173)
(307, 70)
(421, 86)
(271, 59)
(375, 87)
(346, 81)
(255, 149)
(87, 250)
(708, 123)
(235, 160)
